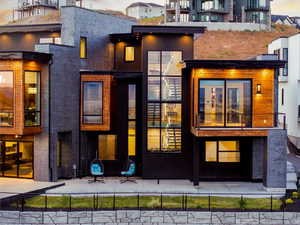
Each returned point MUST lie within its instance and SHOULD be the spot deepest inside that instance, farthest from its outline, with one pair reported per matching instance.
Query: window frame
(217, 161)
(160, 101)
(124, 57)
(85, 47)
(225, 100)
(14, 100)
(82, 104)
(40, 98)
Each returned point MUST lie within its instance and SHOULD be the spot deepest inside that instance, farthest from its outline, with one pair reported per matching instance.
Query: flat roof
(232, 64)
(162, 29)
(25, 55)
(24, 28)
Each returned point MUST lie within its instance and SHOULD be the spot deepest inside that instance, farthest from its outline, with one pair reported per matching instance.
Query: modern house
(286, 20)
(288, 49)
(140, 10)
(244, 11)
(120, 91)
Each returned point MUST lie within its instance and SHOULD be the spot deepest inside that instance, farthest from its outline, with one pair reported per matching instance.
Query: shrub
(289, 201)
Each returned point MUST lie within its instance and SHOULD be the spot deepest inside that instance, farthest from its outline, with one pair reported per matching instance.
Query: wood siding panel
(106, 125)
(262, 104)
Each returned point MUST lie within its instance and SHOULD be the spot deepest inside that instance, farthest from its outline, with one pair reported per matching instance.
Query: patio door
(16, 159)
(224, 160)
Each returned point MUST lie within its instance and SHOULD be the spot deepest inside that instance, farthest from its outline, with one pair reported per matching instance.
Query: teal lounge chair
(129, 172)
(97, 170)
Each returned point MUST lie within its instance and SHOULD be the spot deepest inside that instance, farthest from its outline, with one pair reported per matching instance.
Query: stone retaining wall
(134, 217)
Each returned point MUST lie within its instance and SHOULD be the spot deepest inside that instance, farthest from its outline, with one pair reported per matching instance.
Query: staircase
(153, 114)
(174, 88)
(174, 138)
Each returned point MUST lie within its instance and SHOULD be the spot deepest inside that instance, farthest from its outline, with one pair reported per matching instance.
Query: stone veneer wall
(131, 217)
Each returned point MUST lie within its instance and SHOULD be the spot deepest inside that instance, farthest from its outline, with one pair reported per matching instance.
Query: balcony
(28, 4)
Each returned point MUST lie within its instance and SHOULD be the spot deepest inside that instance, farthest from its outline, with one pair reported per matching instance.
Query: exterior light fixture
(258, 89)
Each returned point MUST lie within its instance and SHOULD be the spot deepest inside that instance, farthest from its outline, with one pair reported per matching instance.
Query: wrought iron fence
(143, 201)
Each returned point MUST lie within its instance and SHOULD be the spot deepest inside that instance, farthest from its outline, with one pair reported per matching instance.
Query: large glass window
(131, 119)
(92, 103)
(224, 103)
(285, 58)
(6, 98)
(222, 151)
(32, 99)
(164, 101)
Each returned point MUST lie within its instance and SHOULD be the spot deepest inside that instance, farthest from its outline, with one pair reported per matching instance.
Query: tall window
(164, 101)
(92, 103)
(6, 98)
(131, 119)
(286, 58)
(224, 103)
(129, 54)
(83, 47)
(282, 96)
(32, 99)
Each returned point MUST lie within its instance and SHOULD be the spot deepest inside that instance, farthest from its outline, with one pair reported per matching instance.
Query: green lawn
(168, 202)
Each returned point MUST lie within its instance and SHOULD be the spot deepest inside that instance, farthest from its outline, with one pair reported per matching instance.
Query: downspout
(49, 120)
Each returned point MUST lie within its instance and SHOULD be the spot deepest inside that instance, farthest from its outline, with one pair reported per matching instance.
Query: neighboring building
(27, 8)
(116, 91)
(242, 11)
(288, 49)
(286, 20)
(140, 10)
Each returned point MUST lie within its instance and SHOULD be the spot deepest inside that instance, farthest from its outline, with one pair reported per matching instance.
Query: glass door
(16, 159)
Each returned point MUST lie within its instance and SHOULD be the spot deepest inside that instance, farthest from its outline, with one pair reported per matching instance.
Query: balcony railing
(181, 7)
(238, 120)
(24, 4)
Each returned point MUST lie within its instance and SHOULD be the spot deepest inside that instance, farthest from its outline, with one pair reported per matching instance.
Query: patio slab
(10, 187)
(112, 184)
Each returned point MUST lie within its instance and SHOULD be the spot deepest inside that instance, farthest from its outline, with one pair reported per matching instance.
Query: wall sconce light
(258, 89)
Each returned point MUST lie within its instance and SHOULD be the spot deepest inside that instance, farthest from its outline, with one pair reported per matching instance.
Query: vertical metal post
(94, 201)
(182, 201)
(161, 201)
(138, 201)
(241, 203)
(70, 203)
(114, 201)
(209, 203)
(185, 201)
(284, 122)
(271, 203)
(46, 202)
(22, 203)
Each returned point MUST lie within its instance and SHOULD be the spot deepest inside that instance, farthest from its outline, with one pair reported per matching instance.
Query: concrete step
(291, 186)
(291, 177)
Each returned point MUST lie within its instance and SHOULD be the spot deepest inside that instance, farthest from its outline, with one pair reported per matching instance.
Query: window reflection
(6, 98)
(222, 151)
(153, 88)
(171, 115)
(92, 103)
(153, 63)
(212, 103)
(171, 63)
(32, 99)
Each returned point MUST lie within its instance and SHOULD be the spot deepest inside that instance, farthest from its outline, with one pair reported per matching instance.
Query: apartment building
(243, 11)
(288, 49)
(121, 91)
(140, 10)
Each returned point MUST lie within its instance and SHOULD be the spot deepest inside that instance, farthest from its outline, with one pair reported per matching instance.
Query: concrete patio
(10, 187)
(112, 184)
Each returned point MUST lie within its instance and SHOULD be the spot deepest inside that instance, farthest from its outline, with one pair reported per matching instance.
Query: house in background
(140, 10)
(118, 91)
(286, 20)
(241, 11)
(288, 49)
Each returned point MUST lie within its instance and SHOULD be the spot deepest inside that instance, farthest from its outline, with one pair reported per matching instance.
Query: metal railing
(144, 201)
(240, 120)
